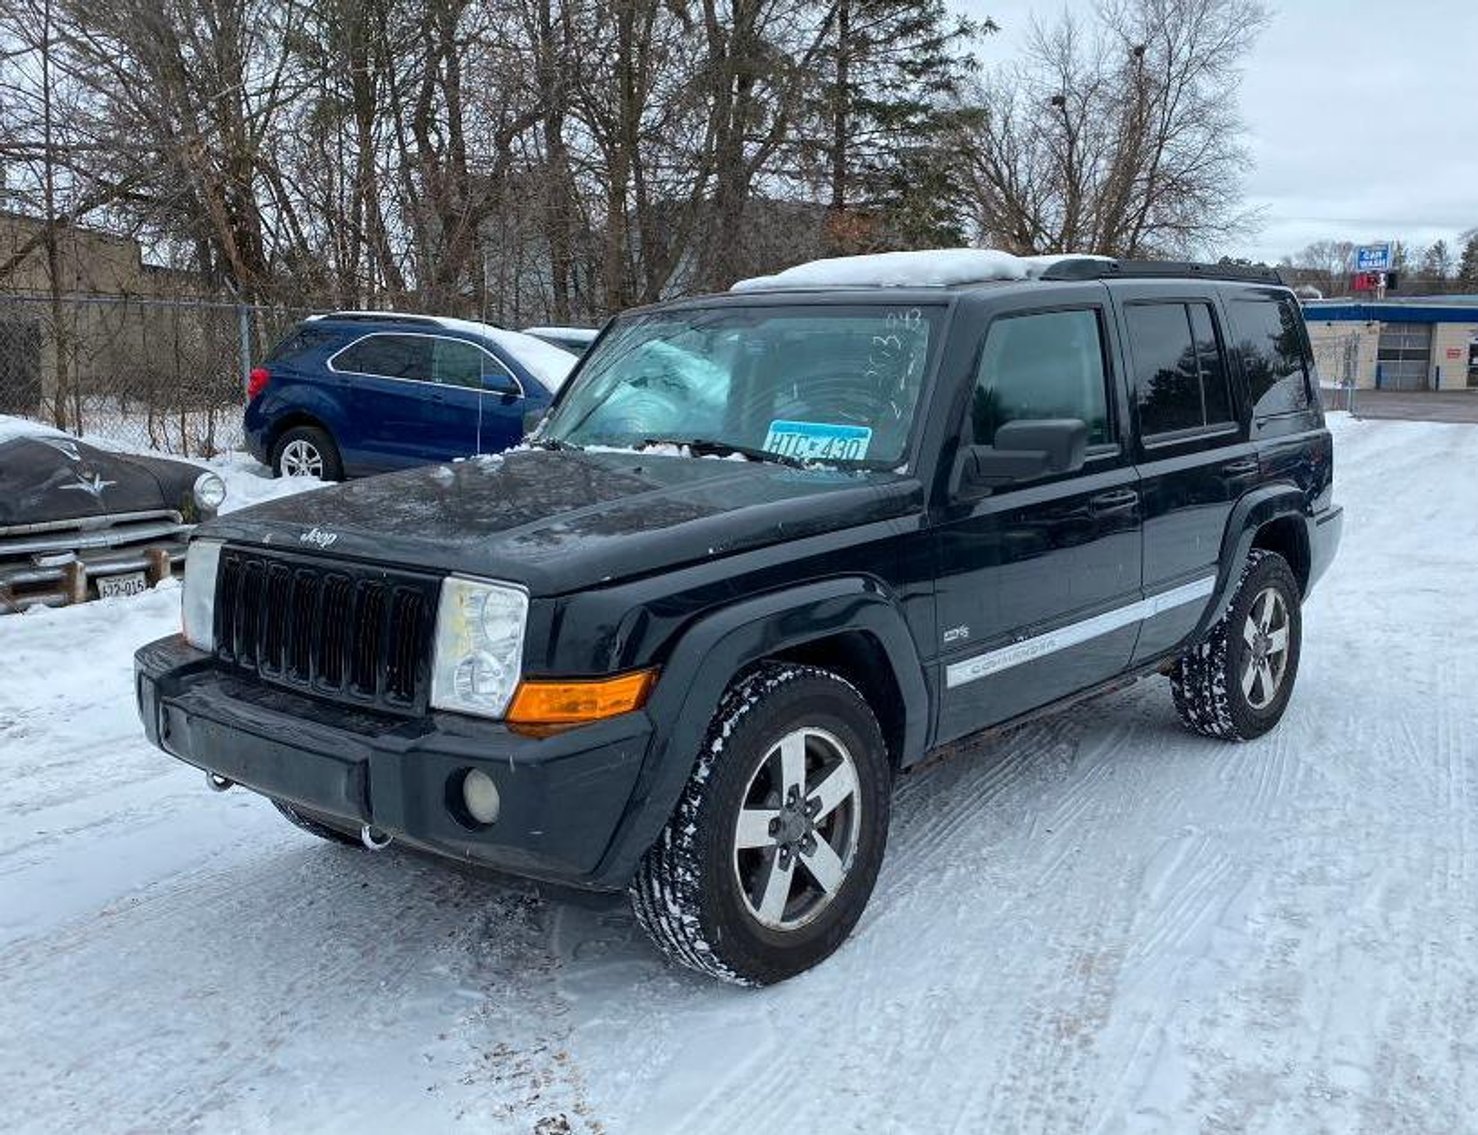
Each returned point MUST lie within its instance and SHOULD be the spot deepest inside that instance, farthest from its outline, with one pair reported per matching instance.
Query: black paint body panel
(703, 567)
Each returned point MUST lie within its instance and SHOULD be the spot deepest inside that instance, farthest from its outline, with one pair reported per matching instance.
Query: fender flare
(1251, 512)
(704, 663)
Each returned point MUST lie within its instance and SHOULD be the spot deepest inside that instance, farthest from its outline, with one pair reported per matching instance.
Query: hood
(558, 521)
(45, 477)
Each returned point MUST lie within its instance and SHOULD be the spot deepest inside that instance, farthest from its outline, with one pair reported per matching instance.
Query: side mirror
(1023, 451)
(531, 420)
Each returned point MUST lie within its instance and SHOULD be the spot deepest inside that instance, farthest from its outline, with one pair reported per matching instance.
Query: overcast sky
(1362, 117)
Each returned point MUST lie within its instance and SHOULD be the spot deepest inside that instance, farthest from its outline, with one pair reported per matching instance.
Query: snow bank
(12, 428)
(249, 482)
(926, 268)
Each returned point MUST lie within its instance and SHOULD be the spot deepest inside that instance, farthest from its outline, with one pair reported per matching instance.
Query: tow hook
(217, 782)
(374, 839)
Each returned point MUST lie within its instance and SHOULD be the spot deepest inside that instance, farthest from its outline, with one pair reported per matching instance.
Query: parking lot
(1097, 923)
(1418, 405)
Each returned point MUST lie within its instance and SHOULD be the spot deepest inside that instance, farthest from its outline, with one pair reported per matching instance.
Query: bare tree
(1116, 136)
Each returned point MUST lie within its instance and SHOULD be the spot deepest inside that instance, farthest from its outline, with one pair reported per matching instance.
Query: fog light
(480, 796)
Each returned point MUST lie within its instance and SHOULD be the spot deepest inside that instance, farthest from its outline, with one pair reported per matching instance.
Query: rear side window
(1271, 344)
(389, 356)
(300, 341)
(1179, 368)
(1044, 365)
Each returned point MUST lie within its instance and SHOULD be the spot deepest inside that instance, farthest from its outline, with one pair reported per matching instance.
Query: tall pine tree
(1467, 269)
(883, 103)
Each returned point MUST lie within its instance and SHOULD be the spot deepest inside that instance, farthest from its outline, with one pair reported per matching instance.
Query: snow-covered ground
(1099, 924)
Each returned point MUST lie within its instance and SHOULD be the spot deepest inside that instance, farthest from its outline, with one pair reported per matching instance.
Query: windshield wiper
(704, 447)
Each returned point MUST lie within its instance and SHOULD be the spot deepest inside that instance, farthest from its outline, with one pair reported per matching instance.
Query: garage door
(1405, 355)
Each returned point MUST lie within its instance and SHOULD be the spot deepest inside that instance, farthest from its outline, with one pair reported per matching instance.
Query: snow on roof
(926, 268)
(12, 428)
(573, 334)
(551, 365)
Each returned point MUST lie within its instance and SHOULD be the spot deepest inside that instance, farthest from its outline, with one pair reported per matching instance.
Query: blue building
(1410, 343)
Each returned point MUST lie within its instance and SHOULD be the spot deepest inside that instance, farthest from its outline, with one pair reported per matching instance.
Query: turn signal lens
(574, 702)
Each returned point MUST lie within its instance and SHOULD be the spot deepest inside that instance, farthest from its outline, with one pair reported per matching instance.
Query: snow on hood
(926, 268)
(12, 428)
(551, 365)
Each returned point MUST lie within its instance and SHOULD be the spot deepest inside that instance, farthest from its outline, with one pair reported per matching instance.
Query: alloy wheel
(300, 458)
(797, 831)
(1265, 638)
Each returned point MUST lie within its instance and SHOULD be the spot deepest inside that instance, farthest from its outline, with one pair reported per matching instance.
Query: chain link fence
(1337, 358)
(143, 373)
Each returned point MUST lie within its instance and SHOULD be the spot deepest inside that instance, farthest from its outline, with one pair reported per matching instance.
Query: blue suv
(354, 393)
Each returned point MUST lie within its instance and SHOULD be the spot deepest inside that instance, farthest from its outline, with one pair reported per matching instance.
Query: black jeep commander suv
(768, 550)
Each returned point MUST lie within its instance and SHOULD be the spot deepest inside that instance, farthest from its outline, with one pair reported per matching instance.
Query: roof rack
(1084, 268)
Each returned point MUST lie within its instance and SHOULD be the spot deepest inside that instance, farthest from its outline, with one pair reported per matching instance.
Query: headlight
(198, 607)
(479, 646)
(209, 491)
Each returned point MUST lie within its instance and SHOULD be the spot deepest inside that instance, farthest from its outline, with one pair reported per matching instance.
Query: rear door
(1191, 445)
(1039, 583)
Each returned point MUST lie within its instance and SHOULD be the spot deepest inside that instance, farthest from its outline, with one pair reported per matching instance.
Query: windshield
(838, 385)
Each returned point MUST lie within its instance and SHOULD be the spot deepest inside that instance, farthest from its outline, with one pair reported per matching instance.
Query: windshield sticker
(818, 441)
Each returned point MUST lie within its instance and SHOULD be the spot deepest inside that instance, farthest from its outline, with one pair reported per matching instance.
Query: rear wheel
(307, 451)
(1236, 683)
(773, 849)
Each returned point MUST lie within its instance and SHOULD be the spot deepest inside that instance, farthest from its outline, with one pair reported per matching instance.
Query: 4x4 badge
(318, 536)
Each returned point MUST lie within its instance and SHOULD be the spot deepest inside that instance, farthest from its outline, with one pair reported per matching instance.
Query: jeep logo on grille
(318, 537)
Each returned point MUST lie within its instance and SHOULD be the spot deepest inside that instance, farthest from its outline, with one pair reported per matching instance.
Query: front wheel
(772, 852)
(1236, 683)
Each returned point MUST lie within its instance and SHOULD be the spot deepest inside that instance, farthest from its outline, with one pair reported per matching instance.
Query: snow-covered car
(78, 522)
(359, 392)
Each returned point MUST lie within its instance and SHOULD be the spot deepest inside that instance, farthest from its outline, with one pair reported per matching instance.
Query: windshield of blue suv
(838, 385)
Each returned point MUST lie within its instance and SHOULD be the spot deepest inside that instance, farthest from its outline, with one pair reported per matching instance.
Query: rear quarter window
(1270, 341)
(300, 341)
(1179, 376)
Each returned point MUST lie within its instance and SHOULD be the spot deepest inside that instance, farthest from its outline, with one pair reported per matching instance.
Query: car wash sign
(1373, 258)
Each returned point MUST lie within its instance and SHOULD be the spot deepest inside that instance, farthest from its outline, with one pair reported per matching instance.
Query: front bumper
(38, 582)
(562, 797)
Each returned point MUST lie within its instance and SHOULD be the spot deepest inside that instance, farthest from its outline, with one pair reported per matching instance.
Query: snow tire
(1206, 681)
(686, 892)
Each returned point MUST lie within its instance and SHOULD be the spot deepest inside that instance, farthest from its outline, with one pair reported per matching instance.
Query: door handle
(1108, 504)
(1247, 467)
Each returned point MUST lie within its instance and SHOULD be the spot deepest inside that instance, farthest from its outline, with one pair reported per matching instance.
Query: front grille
(341, 631)
(84, 533)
